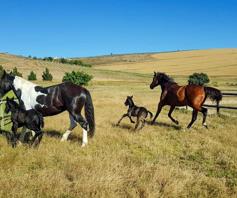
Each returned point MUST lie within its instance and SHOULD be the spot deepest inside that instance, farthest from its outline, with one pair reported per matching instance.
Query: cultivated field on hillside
(163, 160)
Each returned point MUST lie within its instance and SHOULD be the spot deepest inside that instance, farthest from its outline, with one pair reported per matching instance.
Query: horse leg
(143, 123)
(25, 135)
(204, 112)
(131, 119)
(37, 138)
(123, 116)
(14, 130)
(157, 113)
(169, 114)
(73, 124)
(85, 127)
(194, 117)
(137, 123)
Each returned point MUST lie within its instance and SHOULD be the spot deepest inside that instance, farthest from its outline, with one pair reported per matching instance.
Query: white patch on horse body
(65, 135)
(28, 93)
(84, 138)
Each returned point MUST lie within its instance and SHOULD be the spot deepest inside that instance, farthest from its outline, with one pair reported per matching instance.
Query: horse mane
(165, 78)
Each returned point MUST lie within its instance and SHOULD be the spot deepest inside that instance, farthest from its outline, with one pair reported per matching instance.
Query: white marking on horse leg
(205, 124)
(33, 133)
(84, 138)
(65, 135)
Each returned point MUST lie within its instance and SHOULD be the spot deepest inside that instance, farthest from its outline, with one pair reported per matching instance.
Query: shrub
(32, 76)
(73, 62)
(47, 76)
(15, 72)
(63, 60)
(79, 77)
(50, 59)
(198, 79)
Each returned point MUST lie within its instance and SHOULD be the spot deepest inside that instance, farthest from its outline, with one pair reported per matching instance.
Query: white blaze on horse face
(84, 138)
(28, 93)
(65, 135)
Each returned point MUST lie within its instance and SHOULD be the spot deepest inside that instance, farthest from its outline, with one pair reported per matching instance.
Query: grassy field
(159, 161)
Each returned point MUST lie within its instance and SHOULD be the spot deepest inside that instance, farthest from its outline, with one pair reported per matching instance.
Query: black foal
(135, 111)
(30, 119)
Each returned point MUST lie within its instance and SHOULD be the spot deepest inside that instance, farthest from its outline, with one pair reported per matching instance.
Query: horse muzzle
(151, 86)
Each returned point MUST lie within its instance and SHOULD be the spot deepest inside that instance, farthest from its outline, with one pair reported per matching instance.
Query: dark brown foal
(140, 113)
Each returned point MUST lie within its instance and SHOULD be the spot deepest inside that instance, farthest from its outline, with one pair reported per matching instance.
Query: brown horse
(188, 95)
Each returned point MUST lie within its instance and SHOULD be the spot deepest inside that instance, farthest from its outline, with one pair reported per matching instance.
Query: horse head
(155, 82)
(10, 105)
(6, 81)
(128, 101)
(159, 79)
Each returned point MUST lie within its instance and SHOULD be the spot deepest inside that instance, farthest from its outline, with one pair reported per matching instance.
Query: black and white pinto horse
(53, 100)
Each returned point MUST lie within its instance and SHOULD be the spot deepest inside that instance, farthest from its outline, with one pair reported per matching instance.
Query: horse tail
(89, 113)
(214, 94)
(151, 115)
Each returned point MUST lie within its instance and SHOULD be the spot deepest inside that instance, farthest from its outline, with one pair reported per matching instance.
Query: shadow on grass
(58, 135)
(163, 124)
(128, 127)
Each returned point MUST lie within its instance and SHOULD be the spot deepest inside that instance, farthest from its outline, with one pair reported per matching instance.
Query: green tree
(198, 79)
(77, 77)
(47, 76)
(50, 59)
(32, 76)
(15, 72)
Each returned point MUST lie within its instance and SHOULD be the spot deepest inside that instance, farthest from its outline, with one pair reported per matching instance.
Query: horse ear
(132, 96)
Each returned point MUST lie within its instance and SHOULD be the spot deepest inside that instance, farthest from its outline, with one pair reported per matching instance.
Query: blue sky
(88, 28)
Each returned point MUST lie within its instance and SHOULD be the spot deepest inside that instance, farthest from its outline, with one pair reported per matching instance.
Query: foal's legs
(123, 116)
(143, 123)
(37, 138)
(169, 114)
(160, 105)
(73, 124)
(137, 123)
(14, 130)
(194, 117)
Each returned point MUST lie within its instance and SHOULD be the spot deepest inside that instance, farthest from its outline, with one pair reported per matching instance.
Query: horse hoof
(63, 139)
(177, 122)
(83, 145)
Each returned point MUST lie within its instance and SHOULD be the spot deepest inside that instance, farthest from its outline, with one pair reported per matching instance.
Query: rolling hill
(161, 160)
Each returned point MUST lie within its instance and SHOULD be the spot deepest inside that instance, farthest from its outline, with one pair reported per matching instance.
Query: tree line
(62, 60)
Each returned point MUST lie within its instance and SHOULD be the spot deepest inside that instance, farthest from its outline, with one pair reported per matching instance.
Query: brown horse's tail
(89, 114)
(214, 94)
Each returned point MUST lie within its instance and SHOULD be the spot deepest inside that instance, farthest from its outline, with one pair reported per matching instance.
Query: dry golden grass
(160, 161)
(213, 62)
